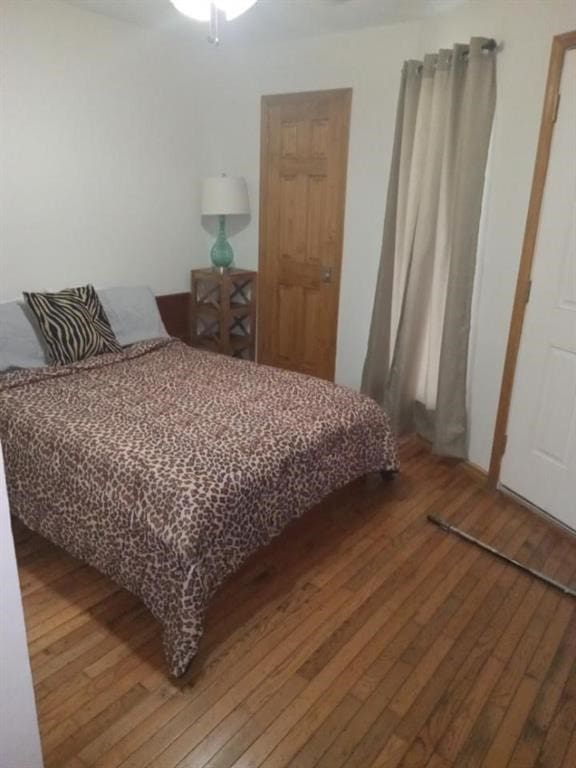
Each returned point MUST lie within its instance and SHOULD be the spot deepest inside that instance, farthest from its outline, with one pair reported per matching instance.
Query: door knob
(326, 274)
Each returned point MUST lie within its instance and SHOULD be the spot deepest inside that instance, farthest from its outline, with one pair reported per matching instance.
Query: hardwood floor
(363, 637)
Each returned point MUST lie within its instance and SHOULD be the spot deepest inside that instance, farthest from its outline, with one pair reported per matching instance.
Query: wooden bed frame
(174, 310)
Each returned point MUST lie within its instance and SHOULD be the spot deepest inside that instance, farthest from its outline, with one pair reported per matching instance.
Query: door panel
(303, 185)
(567, 292)
(553, 431)
(540, 459)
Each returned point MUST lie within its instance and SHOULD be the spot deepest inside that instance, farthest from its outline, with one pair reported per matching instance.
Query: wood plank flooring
(363, 637)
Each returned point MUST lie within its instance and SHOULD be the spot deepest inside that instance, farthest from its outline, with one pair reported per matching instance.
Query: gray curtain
(416, 363)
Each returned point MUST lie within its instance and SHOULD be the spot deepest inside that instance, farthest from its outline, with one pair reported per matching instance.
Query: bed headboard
(175, 310)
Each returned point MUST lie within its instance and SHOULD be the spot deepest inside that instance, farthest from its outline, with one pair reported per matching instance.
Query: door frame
(560, 45)
(267, 101)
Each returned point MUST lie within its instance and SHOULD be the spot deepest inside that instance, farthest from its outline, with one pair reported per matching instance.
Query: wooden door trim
(283, 98)
(560, 44)
(268, 101)
(262, 228)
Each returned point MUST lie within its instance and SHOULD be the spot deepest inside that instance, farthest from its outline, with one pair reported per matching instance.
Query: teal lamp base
(221, 253)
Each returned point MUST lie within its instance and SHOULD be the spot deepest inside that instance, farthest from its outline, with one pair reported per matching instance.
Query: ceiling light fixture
(208, 10)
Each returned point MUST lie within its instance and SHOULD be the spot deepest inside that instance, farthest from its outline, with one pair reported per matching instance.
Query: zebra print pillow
(73, 324)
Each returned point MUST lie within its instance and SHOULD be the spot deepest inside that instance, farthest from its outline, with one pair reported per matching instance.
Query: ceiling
(274, 19)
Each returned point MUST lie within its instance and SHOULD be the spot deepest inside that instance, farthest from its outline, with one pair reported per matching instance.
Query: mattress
(165, 467)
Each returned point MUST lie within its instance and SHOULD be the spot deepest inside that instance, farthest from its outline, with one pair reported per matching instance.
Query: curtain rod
(490, 45)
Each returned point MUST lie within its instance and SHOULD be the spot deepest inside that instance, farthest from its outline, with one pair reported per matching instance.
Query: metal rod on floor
(542, 576)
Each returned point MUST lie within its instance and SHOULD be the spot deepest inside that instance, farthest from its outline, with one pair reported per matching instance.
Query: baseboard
(476, 472)
(537, 510)
(473, 470)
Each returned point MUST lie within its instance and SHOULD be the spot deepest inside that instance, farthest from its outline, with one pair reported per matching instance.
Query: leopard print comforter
(165, 467)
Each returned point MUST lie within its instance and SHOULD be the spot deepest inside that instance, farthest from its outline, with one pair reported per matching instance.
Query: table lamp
(224, 196)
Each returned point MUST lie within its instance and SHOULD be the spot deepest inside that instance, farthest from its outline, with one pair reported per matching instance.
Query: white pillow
(132, 313)
(20, 341)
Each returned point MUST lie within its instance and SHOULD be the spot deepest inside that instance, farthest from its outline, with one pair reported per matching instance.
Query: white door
(19, 736)
(540, 459)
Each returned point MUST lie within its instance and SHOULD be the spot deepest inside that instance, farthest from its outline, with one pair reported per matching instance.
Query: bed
(165, 467)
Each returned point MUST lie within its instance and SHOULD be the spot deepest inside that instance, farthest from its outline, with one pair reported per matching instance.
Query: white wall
(370, 62)
(19, 736)
(108, 128)
(229, 100)
(97, 152)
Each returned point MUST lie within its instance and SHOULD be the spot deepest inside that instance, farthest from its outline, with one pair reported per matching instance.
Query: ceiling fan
(210, 10)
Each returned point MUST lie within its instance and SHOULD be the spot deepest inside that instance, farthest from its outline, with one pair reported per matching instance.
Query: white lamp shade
(225, 196)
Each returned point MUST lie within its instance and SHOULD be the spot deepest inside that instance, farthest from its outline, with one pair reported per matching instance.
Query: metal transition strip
(473, 540)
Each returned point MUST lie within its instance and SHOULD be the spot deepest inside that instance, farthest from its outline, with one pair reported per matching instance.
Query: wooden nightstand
(223, 311)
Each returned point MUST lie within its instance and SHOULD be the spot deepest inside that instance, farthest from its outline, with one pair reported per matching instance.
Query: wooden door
(540, 459)
(304, 152)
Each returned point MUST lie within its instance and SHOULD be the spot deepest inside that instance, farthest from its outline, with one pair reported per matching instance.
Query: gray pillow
(133, 314)
(20, 340)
